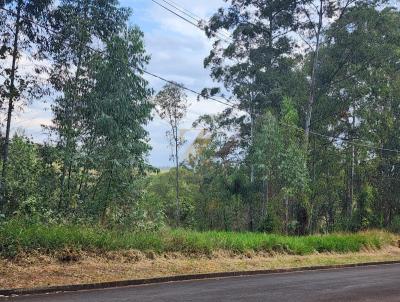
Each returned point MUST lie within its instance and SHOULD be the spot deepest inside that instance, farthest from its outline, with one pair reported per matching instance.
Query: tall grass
(16, 237)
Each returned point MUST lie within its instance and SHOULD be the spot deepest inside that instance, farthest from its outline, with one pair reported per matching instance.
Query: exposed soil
(71, 267)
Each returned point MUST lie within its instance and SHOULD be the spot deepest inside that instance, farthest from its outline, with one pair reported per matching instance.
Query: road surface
(372, 283)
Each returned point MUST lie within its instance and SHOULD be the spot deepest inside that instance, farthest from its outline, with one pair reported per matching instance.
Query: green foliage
(268, 145)
(269, 224)
(160, 191)
(16, 237)
(22, 35)
(395, 225)
(116, 108)
(253, 169)
(24, 170)
(29, 180)
(363, 216)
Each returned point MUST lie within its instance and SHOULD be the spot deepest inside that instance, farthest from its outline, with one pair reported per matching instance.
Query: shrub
(395, 225)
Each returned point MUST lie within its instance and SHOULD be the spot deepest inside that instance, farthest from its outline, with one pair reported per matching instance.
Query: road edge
(136, 282)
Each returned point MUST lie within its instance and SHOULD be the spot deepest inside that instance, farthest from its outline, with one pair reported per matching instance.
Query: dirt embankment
(69, 267)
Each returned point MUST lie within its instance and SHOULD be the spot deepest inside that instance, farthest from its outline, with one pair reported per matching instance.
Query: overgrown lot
(17, 237)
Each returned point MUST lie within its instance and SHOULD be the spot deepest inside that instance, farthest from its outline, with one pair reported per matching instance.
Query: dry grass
(68, 267)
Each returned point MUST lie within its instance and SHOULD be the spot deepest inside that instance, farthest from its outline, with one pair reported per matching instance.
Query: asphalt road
(373, 283)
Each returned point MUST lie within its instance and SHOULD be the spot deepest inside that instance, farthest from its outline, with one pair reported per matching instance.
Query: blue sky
(177, 50)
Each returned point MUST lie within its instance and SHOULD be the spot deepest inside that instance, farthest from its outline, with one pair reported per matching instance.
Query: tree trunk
(352, 168)
(252, 122)
(103, 217)
(252, 176)
(351, 192)
(177, 178)
(67, 162)
(311, 98)
(286, 214)
(265, 198)
(10, 101)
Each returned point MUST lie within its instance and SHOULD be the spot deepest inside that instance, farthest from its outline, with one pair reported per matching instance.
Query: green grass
(16, 237)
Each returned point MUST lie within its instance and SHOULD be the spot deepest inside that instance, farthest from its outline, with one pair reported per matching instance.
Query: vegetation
(16, 237)
(171, 105)
(309, 142)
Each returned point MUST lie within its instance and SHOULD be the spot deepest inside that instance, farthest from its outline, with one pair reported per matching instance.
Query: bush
(268, 224)
(395, 225)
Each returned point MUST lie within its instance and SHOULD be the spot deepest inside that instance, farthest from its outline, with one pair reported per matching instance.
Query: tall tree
(171, 104)
(76, 25)
(23, 37)
(256, 64)
(281, 161)
(361, 55)
(315, 17)
(115, 111)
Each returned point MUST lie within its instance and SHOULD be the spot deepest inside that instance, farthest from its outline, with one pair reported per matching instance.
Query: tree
(76, 24)
(280, 161)
(171, 104)
(256, 64)
(24, 172)
(265, 156)
(315, 17)
(21, 29)
(114, 112)
(361, 55)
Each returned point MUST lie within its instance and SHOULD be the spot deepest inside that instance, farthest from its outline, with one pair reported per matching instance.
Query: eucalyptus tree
(115, 111)
(293, 169)
(171, 104)
(77, 25)
(256, 63)
(23, 39)
(376, 36)
(362, 54)
(266, 152)
(281, 162)
(314, 19)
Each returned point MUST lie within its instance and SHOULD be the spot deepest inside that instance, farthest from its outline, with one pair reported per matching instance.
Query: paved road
(374, 283)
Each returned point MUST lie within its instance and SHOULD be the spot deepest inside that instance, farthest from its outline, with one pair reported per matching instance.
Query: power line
(189, 89)
(183, 10)
(221, 36)
(198, 19)
(194, 16)
(178, 15)
(365, 144)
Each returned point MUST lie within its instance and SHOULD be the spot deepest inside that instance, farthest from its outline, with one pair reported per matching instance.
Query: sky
(177, 51)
